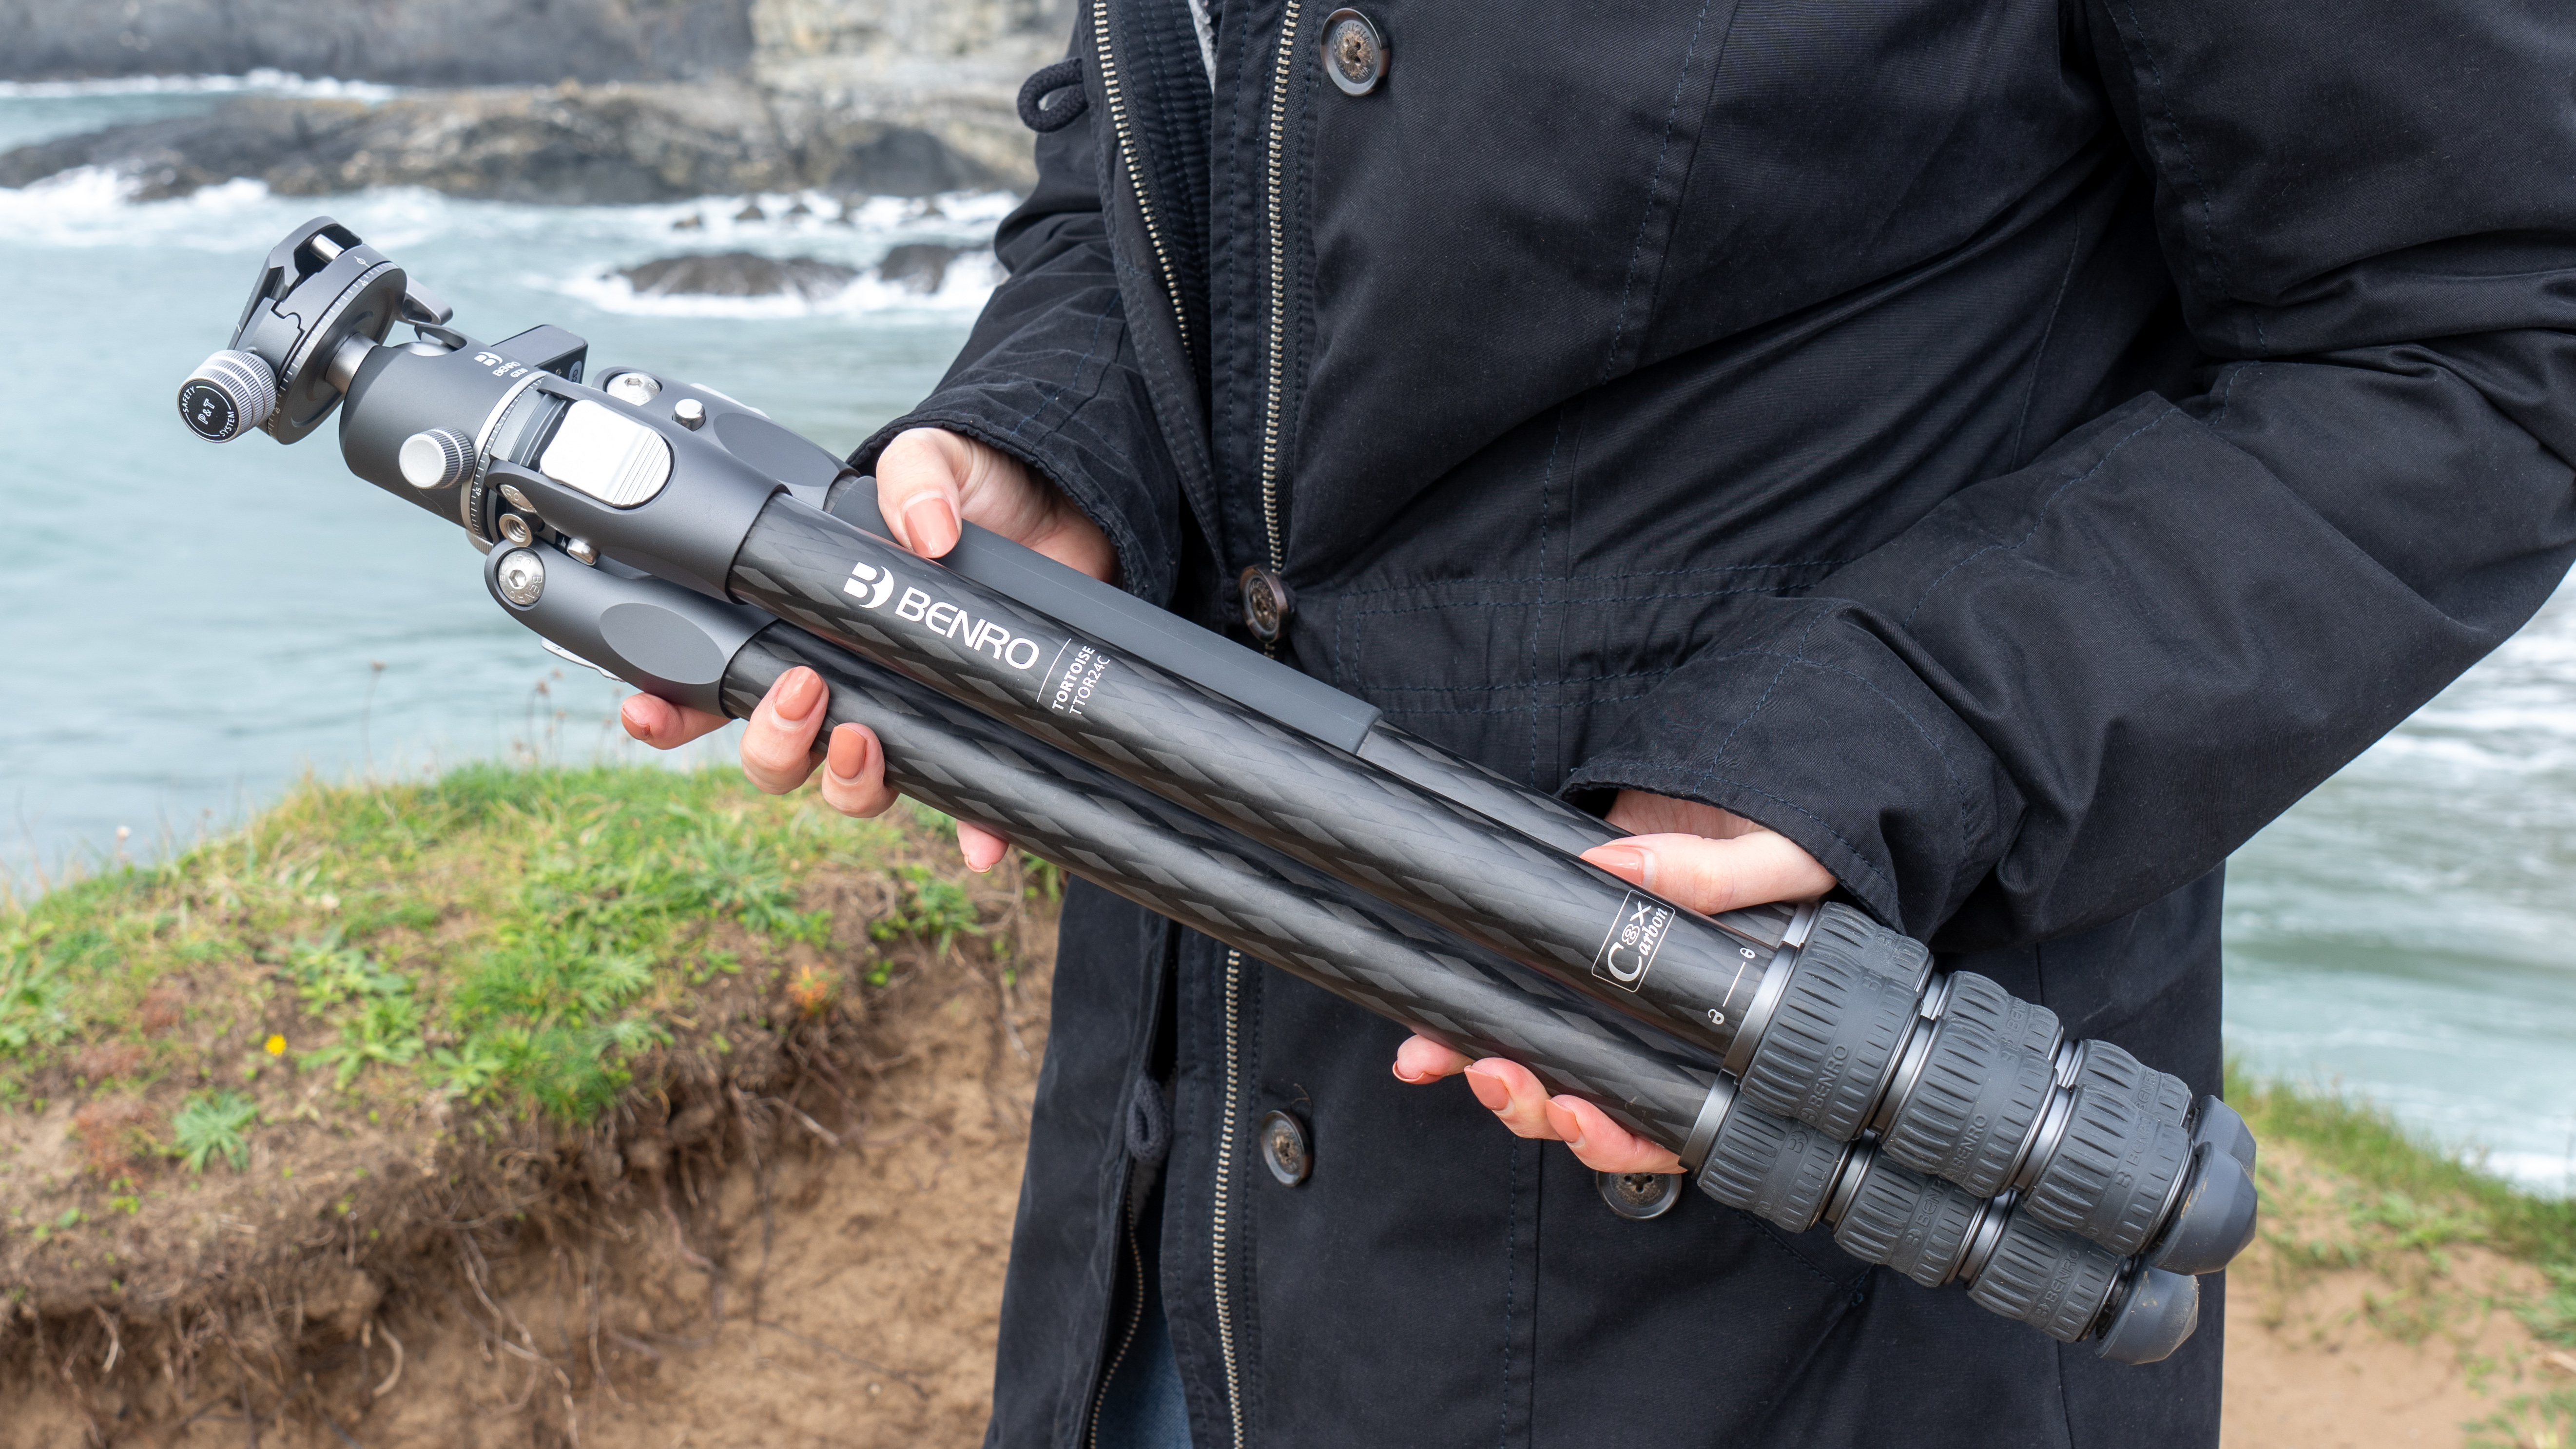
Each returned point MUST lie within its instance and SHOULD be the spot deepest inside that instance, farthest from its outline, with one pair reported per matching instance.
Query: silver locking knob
(229, 394)
(434, 458)
(522, 577)
(634, 387)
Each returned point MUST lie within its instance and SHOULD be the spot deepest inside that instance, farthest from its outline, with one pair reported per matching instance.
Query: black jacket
(2014, 449)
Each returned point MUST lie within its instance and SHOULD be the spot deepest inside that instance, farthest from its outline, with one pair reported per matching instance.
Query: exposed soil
(823, 1276)
(2406, 1348)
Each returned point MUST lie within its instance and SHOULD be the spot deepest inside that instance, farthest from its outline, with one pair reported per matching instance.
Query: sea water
(185, 628)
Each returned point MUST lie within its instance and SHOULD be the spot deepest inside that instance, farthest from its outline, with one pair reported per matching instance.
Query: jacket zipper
(1135, 1321)
(1278, 562)
(1278, 289)
(1224, 1193)
(1117, 98)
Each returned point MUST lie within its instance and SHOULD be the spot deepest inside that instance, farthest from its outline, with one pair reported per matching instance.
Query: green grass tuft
(2427, 1196)
(210, 1125)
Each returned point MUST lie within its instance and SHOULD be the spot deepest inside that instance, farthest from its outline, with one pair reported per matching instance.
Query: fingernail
(1410, 1078)
(1489, 1089)
(932, 522)
(1631, 862)
(1565, 1124)
(804, 690)
(857, 751)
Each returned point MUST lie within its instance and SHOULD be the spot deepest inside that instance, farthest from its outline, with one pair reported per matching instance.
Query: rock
(561, 144)
(408, 42)
(751, 212)
(921, 266)
(738, 274)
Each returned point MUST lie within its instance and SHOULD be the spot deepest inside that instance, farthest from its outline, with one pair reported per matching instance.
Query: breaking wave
(257, 82)
(577, 250)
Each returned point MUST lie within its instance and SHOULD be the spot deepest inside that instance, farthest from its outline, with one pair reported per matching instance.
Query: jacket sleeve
(1049, 373)
(2072, 689)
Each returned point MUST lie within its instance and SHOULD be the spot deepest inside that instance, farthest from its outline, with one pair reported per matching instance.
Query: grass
(512, 938)
(2433, 1195)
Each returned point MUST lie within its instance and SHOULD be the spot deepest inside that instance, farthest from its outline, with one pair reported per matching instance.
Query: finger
(778, 743)
(928, 479)
(1421, 1059)
(920, 479)
(1709, 876)
(664, 725)
(1604, 1145)
(854, 772)
(1509, 1091)
(982, 848)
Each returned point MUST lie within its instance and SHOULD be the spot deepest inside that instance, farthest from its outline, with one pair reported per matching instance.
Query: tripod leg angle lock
(1805, 1063)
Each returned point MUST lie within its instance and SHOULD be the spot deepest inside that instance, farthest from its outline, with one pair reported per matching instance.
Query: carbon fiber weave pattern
(1327, 810)
(1214, 881)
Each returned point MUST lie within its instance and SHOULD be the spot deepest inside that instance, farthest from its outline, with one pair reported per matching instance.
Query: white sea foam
(2544, 1172)
(90, 206)
(262, 82)
(583, 247)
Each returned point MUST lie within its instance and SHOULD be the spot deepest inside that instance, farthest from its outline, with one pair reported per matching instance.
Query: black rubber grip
(1854, 939)
(1970, 1108)
(2050, 1280)
(2024, 1024)
(1778, 1171)
(1914, 1224)
(1838, 1025)
(2115, 1166)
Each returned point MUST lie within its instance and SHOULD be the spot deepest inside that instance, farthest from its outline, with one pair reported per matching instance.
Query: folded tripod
(1804, 1063)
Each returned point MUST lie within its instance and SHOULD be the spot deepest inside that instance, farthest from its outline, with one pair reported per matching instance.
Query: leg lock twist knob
(2119, 1160)
(1833, 1039)
(1781, 1172)
(1971, 1107)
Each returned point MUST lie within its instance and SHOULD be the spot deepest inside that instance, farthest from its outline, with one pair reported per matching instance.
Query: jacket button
(1638, 1196)
(1283, 1148)
(1265, 604)
(1355, 55)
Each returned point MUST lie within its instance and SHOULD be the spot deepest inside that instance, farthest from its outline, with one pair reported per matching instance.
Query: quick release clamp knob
(228, 395)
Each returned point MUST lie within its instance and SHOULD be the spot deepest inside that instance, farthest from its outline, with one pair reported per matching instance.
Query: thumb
(921, 477)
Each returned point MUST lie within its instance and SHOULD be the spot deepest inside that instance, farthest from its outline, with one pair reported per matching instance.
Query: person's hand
(927, 480)
(1690, 854)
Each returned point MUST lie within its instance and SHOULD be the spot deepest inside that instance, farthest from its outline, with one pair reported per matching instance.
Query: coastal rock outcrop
(649, 99)
(738, 274)
(561, 144)
(406, 42)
